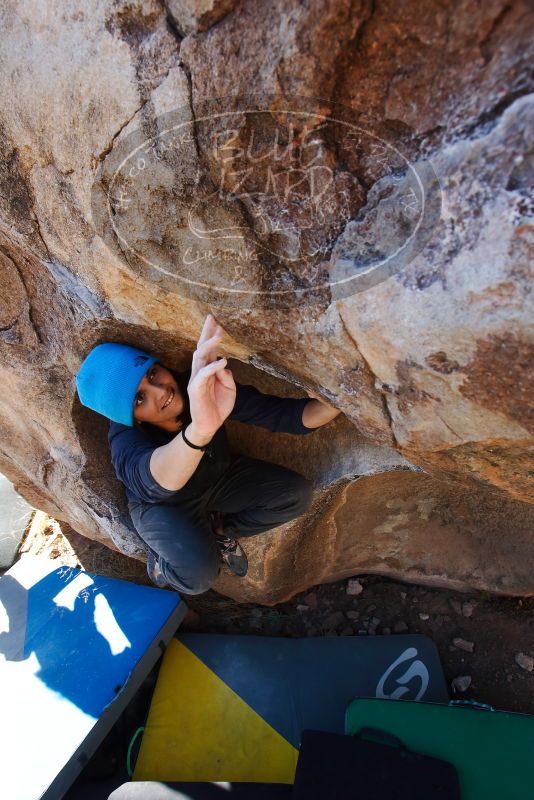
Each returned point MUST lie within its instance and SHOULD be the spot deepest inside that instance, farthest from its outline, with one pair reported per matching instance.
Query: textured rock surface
(194, 16)
(430, 365)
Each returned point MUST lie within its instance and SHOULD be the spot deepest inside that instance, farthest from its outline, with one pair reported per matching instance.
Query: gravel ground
(477, 636)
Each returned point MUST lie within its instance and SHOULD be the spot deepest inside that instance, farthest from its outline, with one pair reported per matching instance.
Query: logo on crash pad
(414, 670)
(139, 360)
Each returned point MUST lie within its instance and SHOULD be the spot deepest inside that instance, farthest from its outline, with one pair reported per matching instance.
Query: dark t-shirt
(131, 447)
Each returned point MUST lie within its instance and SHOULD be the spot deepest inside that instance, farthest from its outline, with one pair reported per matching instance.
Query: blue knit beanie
(108, 378)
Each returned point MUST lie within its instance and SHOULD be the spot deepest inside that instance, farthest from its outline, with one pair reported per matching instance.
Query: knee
(196, 574)
(187, 554)
(204, 578)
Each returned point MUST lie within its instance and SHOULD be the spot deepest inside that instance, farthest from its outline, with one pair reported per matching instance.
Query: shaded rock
(400, 627)
(463, 644)
(334, 619)
(468, 608)
(194, 16)
(273, 623)
(456, 605)
(354, 587)
(191, 620)
(391, 536)
(461, 683)
(15, 516)
(525, 661)
(373, 624)
(232, 628)
(311, 600)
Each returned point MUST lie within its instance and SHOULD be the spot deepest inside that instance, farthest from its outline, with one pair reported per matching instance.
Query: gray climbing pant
(254, 495)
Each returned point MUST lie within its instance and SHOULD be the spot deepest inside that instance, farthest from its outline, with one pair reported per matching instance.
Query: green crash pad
(493, 751)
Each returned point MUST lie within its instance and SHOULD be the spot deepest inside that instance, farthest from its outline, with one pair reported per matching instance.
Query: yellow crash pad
(220, 735)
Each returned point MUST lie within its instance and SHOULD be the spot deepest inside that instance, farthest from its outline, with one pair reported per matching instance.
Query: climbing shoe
(233, 555)
(231, 551)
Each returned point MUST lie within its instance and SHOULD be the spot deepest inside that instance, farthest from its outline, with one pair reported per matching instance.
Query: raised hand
(211, 388)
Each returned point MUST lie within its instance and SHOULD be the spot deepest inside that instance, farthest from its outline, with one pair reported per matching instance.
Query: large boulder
(346, 187)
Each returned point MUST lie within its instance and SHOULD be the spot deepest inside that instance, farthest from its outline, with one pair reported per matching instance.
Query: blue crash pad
(304, 683)
(74, 647)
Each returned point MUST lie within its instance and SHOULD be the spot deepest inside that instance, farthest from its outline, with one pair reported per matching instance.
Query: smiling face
(158, 399)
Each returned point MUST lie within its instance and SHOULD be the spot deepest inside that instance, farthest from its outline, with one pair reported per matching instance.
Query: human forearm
(173, 464)
(316, 414)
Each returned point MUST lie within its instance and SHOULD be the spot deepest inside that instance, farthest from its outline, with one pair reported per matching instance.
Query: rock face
(347, 187)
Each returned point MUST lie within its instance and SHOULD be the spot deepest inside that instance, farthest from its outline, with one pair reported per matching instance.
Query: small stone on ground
(400, 627)
(354, 587)
(461, 683)
(463, 644)
(468, 608)
(525, 662)
(334, 619)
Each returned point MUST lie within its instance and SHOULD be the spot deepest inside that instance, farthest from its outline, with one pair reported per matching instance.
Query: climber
(189, 496)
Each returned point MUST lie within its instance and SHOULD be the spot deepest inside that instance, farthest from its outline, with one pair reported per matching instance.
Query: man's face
(158, 399)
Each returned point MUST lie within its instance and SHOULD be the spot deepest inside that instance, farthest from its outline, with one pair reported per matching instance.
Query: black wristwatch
(205, 447)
